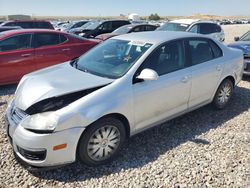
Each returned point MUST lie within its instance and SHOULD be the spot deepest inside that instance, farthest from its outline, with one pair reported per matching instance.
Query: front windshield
(112, 58)
(246, 37)
(173, 27)
(86, 25)
(70, 25)
(93, 26)
(122, 30)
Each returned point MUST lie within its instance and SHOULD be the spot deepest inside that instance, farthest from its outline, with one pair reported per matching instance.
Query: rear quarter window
(216, 49)
(63, 38)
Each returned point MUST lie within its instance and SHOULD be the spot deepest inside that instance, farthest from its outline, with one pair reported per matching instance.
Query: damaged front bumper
(36, 150)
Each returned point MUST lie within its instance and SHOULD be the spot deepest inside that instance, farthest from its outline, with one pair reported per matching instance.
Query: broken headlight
(44, 122)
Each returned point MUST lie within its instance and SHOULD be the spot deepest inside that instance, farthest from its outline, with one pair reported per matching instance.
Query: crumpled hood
(54, 81)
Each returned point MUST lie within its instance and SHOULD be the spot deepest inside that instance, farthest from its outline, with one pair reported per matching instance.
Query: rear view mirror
(148, 74)
(236, 38)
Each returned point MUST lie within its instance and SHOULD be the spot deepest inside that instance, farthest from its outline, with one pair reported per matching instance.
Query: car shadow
(147, 146)
(246, 78)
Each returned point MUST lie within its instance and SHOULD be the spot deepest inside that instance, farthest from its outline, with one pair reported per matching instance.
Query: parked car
(125, 85)
(130, 28)
(29, 24)
(79, 30)
(243, 43)
(23, 51)
(7, 28)
(74, 25)
(195, 26)
(100, 27)
(60, 25)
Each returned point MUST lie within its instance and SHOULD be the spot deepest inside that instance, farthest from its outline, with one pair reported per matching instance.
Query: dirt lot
(204, 148)
(232, 31)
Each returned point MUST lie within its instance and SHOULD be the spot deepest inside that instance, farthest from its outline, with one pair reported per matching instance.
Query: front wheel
(223, 94)
(101, 142)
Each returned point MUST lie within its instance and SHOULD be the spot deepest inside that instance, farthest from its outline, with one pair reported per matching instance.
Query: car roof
(136, 24)
(185, 21)
(26, 21)
(191, 21)
(23, 31)
(156, 37)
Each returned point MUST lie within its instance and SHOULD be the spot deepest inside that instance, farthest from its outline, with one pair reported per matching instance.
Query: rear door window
(139, 28)
(46, 39)
(201, 51)
(150, 28)
(207, 28)
(18, 42)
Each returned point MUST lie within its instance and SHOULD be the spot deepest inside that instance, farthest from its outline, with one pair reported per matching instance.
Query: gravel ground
(204, 148)
(232, 31)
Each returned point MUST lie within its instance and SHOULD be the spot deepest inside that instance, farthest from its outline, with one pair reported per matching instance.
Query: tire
(223, 94)
(101, 142)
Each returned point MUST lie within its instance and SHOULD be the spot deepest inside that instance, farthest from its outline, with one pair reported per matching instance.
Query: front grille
(32, 155)
(18, 115)
(247, 66)
(246, 56)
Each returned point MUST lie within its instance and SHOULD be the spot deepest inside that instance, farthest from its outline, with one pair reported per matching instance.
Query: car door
(16, 58)
(206, 67)
(50, 49)
(105, 27)
(167, 96)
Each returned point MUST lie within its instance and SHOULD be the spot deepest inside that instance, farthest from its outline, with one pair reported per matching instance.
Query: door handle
(185, 79)
(218, 68)
(26, 55)
(66, 49)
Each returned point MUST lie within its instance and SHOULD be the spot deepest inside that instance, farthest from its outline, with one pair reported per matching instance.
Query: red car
(27, 50)
(29, 24)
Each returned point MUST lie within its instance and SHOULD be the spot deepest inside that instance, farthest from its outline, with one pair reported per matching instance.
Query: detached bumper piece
(32, 155)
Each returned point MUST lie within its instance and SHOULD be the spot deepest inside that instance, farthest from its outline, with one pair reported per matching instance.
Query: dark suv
(29, 24)
(101, 27)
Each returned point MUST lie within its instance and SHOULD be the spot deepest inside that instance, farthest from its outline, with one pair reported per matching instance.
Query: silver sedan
(88, 107)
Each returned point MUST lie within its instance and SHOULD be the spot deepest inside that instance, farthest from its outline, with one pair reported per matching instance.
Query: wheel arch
(118, 116)
(231, 78)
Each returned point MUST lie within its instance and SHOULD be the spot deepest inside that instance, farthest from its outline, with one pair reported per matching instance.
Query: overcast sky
(117, 7)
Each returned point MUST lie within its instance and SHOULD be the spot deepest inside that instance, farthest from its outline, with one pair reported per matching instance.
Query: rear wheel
(101, 142)
(223, 94)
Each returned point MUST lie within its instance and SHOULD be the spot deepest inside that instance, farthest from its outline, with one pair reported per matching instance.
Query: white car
(195, 26)
(125, 85)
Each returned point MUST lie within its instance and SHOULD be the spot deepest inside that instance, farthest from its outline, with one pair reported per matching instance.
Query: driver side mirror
(236, 38)
(148, 75)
